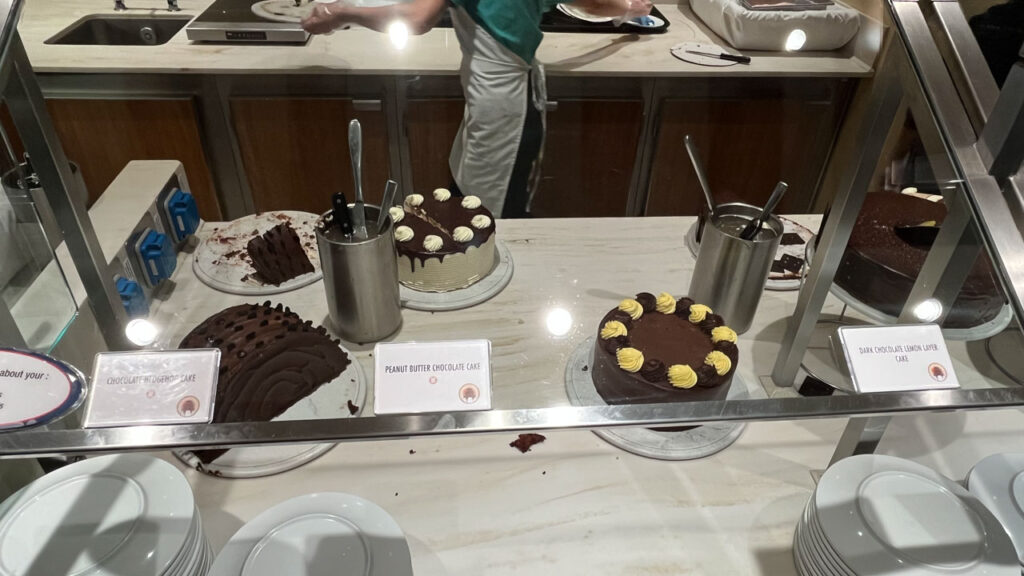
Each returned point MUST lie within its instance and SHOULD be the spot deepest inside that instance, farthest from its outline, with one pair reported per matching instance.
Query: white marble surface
(574, 504)
(360, 51)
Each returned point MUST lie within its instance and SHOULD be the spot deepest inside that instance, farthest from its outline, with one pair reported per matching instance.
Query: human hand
(325, 18)
(635, 9)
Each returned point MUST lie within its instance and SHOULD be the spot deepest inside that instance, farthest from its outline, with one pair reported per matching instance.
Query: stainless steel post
(10, 334)
(861, 436)
(35, 127)
(1002, 140)
(885, 101)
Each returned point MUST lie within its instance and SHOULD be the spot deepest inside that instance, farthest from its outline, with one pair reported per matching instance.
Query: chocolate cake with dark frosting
(278, 255)
(879, 267)
(270, 359)
(444, 242)
(659, 349)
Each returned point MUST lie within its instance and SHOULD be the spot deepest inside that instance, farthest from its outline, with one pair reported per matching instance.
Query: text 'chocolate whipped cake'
(444, 243)
(270, 359)
(278, 255)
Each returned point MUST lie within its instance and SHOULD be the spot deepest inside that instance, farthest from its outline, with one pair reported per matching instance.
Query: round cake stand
(480, 292)
(696, 443)
(329, 401)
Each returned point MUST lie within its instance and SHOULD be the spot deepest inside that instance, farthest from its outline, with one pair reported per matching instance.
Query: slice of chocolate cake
(278, 255)
(270, 359)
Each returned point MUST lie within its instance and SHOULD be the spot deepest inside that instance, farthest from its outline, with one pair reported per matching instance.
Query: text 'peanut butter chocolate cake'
(444, 243)
(658, 349)
(270, 359)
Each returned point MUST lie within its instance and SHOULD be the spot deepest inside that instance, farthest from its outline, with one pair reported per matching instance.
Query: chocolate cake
(270, 359)
(879, 267)
(444, 242)
(278, 255)
(659, 349)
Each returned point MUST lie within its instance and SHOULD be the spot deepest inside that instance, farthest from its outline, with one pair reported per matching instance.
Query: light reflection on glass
(141, 332)
(928, 311)
(398, 32)
(796, 40)
(559, 322)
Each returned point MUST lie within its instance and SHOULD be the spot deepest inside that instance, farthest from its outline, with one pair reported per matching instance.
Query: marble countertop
(360, 51)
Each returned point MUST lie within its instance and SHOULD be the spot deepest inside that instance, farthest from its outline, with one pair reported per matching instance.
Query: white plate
(886, 515)
(329, 401)
(282, 10)
(326, 533)
(775, 281)
(680, 51)
(998, 481)
(580, 14)
(106, 516)
(826, 555)
(221, 259)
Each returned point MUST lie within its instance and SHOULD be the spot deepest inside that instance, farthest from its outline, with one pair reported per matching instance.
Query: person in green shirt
(496, 154)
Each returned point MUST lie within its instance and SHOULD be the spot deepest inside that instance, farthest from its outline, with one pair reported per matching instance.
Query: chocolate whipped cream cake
(270, 359)
(444, 242)
(659, 349)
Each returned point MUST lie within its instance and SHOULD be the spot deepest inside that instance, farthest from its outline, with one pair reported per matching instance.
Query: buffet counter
(360, 51)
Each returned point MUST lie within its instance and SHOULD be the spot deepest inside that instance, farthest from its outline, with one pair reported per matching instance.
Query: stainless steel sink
(121, 30)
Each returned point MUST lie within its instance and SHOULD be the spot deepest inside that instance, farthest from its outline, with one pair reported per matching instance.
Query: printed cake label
(141, 388)
(417, 377)
(897, 358)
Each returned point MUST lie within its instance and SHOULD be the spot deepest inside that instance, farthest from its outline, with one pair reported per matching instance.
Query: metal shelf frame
(911, 73)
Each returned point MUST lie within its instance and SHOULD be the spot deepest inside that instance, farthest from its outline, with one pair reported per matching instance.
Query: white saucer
(329, 401)
(326, 533)
(885, 515)
(221, 259)
(998, 481)
(106, 516)
(580, 14)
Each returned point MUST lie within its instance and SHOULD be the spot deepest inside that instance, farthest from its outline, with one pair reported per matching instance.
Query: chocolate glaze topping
(441, 219)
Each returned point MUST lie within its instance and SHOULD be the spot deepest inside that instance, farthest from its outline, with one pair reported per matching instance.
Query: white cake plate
(221, 260)
(329, 401)
(284, 11)
(797, 250)
(696, 443)
(979, 332)
(487, 288)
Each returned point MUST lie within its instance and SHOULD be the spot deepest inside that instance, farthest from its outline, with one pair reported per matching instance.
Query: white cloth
(495, 83)
(827, 29)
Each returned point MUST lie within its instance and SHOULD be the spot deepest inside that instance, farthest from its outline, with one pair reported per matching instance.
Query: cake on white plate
(444, 242)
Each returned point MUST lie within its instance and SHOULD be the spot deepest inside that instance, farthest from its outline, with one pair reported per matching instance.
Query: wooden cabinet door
(102, 136)
(589, 153)
(296, 155)
(747, 146)
(431, 126)
(589, 156)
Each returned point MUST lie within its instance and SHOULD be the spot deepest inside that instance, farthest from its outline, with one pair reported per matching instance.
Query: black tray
(556, 21)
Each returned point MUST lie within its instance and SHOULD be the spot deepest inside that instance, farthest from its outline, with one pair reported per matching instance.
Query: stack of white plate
(107, 516)
(316, 535)
(998, 481)
(874, 515)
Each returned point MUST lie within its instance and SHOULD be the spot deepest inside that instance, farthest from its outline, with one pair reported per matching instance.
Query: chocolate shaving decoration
(654, 370)
(648, 301)
(683, 307)
(707, 377)
(352, 408)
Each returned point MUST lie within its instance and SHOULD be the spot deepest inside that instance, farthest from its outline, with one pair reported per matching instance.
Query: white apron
(496, 85)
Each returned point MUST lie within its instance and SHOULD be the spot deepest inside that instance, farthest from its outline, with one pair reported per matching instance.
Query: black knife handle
(339, 205)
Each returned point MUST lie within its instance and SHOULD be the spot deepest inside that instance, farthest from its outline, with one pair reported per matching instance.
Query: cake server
(389, 199)
(754, 226)
(355, 149)
(702, 176)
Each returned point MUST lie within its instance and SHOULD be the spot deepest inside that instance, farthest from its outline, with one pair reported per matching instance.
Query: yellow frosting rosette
(723, 334)
(682, 376)
(630, 359)
(632, 307)
(665, 304)
(698, 312)
(613, 329)
(719, 361)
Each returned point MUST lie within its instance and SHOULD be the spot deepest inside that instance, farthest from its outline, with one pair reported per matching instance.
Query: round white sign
(36, 389)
